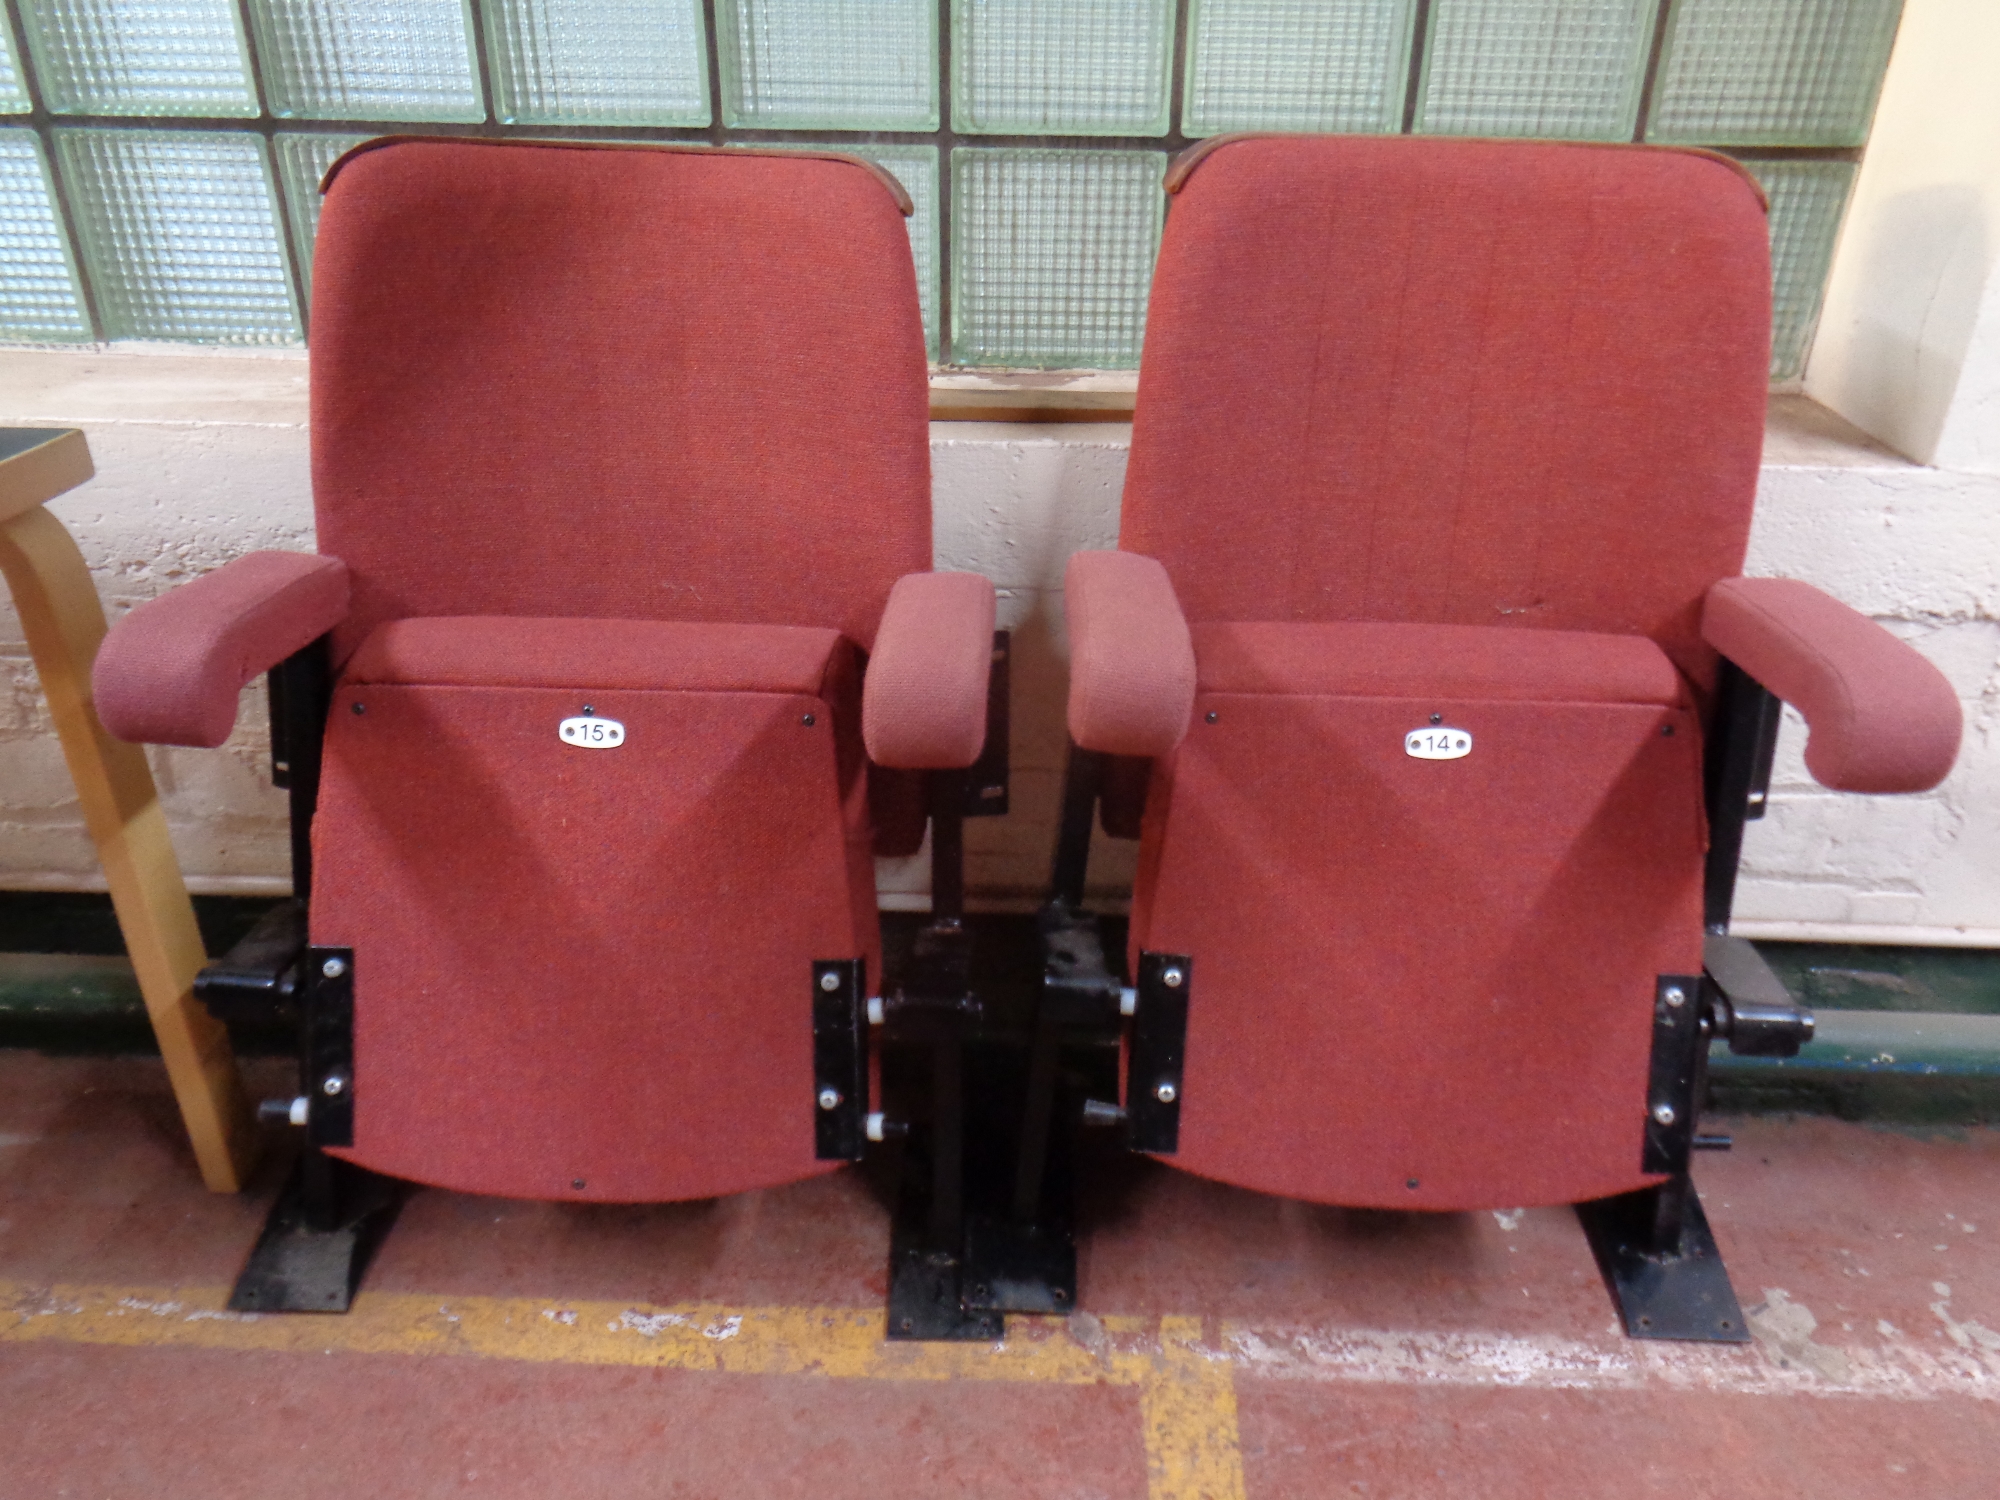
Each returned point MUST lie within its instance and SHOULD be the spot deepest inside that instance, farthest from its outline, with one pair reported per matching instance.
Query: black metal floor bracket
(1660, 1264)
(326, 1224)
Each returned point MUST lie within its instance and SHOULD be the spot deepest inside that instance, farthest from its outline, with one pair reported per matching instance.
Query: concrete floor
(1233, 1345)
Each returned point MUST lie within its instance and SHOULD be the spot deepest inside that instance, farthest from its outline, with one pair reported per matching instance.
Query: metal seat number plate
(599, 734)
(1437, 744)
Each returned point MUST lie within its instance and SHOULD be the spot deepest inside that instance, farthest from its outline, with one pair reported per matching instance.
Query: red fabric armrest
(1882, 719)
(169, 673)
(1131, 660)
(923, 702)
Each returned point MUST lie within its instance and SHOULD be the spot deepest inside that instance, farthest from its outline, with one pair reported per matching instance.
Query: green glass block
(1065, 67)
(1553, 69)
(1314, 65)
(13, 88)
(828, 64)
(1807, 200)
(1772, 72)
(302, 162)
(140, 57)
(368, 59)
(1052, 255)
(39, 300)
(180, 235)
(598, 62)
(916, 167)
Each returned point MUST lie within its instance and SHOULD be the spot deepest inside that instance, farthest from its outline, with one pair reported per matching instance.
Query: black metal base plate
(296, 1268)
(1685, 1296)
(925, 1281)
(924, 1299)
(1015, 1267)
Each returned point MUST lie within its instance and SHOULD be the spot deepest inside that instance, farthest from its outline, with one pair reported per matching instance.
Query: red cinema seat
(622, 604)
(1427, 642)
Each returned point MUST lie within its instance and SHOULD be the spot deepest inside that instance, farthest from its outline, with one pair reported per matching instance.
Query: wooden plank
(38, 464)
(64, 622)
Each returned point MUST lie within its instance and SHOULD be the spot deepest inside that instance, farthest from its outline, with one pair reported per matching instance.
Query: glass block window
(829, 64)
(302, 162)
(1807, 199)
(179, 232)
(1560, 69)
(1052, 255)
(163, 156)
(1318, 65)
(116, 57)
(39, 298)
(1772, 72)
(1067, 67)
(368, 59)
(14, 98)
(598, 62)
(916, 167)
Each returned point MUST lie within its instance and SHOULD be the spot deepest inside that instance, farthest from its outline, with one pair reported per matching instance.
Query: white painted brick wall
(201, 458)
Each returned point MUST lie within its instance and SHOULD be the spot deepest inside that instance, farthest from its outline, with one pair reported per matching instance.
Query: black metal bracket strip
(1678, 1036)
(1159, 1047)
(1083, 778)
(986, 784)
(326, 1072)
(301, 688)
(1742, 739)
(840, 1058)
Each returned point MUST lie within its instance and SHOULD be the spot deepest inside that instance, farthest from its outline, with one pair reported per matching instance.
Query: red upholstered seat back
(555, 380)
(1454, 382)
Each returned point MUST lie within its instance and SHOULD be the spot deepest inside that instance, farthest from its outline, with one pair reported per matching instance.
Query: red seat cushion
(1424, 983)
(586, 973)
(1363, 659)
(501, 651)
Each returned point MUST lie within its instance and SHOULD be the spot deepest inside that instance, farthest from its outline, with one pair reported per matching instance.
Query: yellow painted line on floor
(1187, 1396)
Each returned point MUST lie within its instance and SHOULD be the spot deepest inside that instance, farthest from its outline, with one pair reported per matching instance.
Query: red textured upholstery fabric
(1454, 382)
(1882, 718)
(1131, 666)
(1361, 659)
(578, 965)
(923, 706)
(1459, 434)
(625, 384)
(1416, 983)
(171, 671)
(501, 651)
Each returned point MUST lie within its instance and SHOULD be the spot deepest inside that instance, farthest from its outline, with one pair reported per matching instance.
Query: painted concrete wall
(203, 457)
(1908, 346)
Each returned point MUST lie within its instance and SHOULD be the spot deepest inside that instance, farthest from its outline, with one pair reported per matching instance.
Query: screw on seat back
(1453, 382)
(634, 384)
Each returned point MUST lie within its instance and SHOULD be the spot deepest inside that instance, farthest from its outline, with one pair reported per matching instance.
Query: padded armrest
(1882, 718)
(923, 702)
(1131, 660)
(169, 673)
